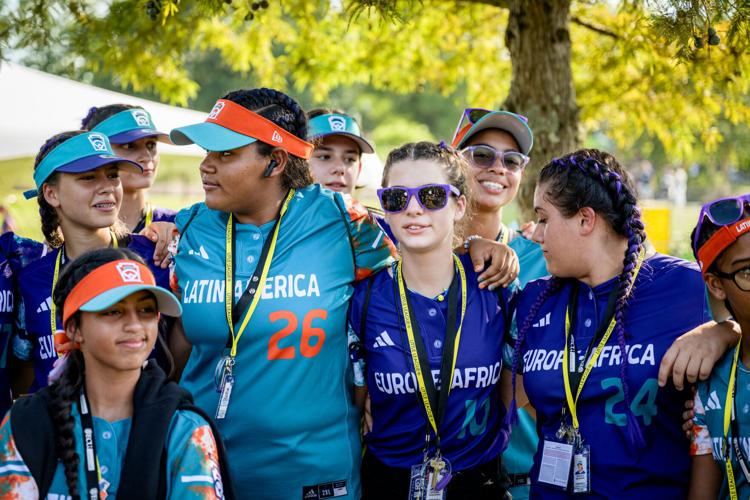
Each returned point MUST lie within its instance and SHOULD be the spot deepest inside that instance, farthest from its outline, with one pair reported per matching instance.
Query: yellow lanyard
(728, 405)
(229, 268)
(149, 215)
(412, 345)
(56, 275)
(592, 360)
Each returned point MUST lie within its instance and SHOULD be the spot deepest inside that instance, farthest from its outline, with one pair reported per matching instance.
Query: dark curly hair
(97, 115)
(285, 112)
(593, 178)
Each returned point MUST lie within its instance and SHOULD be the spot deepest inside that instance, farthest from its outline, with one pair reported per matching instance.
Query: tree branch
(602, 31)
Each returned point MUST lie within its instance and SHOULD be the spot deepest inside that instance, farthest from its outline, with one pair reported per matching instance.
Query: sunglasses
(430, 196)
(483, 156)
(473, 115)
(721, 212)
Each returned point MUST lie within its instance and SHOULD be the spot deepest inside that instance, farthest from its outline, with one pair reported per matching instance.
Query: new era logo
(129, 272)
(98, 142)
(382, 340)
(276, 137)
(543, 321)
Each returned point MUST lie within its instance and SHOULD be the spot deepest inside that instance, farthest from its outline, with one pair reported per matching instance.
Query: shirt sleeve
(700, 438)
(373, 250)
(193, 465)
(16, 481)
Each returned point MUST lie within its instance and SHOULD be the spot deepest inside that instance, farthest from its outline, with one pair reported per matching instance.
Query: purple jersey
(667, 300)
(158, 214)
(35, 341)
(472, 432)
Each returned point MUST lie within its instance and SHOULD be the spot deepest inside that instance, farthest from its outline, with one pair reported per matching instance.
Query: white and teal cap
(338, 124)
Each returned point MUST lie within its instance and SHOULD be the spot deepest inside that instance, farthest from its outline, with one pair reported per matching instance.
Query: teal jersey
(192, 460)
(291, 427)
(708, 423)
(519, 456)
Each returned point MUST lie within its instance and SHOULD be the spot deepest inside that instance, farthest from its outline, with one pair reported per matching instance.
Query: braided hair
(47, 213)
(97, 115)
(285, 112)
(454, 165)
(65, 390)
(593, 178)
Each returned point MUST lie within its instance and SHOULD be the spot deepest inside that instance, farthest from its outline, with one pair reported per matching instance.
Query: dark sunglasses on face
(721, 212)
(483, 156)
(429, 196)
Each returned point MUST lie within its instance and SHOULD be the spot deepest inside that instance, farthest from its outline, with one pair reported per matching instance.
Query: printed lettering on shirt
(6, 301)
(47, 347)
(545, 360)
(717, 445)
(285, 286)
(472, 377)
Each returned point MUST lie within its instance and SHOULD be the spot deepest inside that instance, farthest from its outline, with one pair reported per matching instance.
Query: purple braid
(553, 285)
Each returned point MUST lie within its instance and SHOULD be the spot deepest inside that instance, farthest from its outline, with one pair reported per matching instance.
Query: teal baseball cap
(338, 124)
(81, 153)
(130, 125)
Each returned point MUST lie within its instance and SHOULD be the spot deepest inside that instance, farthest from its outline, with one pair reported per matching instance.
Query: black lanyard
(577, 371)
(437, 400)
(93, 475)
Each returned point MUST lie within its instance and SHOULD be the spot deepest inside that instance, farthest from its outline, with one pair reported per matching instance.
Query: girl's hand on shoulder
(503, 265)
(161, 233)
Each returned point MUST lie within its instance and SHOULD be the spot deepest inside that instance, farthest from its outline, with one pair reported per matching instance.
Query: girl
(133, 136)
(79, 194)
(109, 421)
(264, 269)
(591, 338)
(722, 247)
(428, 316)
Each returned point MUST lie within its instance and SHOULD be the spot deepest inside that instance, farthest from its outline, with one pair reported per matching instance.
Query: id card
(226, 394)
(582, 470)
(429, 480)
(556, 463)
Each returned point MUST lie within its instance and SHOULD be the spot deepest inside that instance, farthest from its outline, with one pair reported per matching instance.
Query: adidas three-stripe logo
(543, 321)
(44, 306)
(382, 340)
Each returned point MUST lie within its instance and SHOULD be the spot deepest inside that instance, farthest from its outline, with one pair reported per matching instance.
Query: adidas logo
(543, 322)
(311, 493)
(382, 340)
(713, 402)
(200, 253)
(44, 306)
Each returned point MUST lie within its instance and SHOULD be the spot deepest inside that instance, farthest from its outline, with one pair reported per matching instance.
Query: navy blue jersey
(15, 252)
(35, 341)
(667, 300)
(158, 214)
(472, 432)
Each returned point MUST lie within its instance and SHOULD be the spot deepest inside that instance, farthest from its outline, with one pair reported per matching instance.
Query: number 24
(309, 332)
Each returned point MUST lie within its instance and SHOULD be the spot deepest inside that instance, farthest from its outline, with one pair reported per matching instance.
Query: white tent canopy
(37, 105)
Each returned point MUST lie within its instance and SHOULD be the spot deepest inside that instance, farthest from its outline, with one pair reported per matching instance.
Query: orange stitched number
(273, 344)
(309, 333)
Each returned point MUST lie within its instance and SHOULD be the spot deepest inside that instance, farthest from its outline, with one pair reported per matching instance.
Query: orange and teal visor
(81, 153)
(130, 125)
(231, 126)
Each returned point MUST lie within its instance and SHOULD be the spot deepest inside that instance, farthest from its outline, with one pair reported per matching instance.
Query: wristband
(469, 239)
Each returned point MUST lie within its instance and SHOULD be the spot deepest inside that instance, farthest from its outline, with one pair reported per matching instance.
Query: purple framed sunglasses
(721, 212)
(395, 199)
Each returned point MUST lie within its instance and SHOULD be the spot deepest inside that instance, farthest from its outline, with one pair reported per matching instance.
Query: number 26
(309, 332)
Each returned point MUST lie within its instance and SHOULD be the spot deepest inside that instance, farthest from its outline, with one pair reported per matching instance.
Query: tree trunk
(542, 89)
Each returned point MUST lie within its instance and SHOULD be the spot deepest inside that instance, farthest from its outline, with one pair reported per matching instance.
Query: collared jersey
(35, 341)
(667, 300)
(192, 459)
(15, 253)
(291, 425)
(159, 214)
(708, 422)
(472, 432)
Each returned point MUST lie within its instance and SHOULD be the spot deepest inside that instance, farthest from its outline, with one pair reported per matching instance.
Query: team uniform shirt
(291, 429)
(667, 300)
(15, 253)
(708, 422)
(35, 340)
(158, 214)
(472, 432)
(519, 456)
(191, 459)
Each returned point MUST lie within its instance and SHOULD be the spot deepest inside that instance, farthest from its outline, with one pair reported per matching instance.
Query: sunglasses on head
(721, 212)
(473, 115)
(484, 156)
(429, 196)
